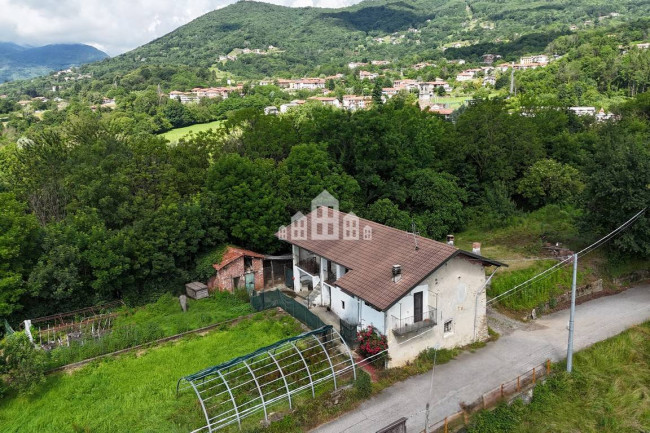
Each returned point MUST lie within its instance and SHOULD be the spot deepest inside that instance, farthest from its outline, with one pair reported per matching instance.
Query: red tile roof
(233, 254)
(370, 262)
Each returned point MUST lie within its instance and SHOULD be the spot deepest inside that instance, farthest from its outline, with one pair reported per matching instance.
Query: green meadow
(175, 135)
(136, 392)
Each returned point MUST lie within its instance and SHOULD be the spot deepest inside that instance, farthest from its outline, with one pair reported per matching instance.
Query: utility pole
(512, 78)
(569, 353)
(433, 370)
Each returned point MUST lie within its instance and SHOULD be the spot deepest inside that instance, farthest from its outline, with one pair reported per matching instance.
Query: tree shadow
(384, 18)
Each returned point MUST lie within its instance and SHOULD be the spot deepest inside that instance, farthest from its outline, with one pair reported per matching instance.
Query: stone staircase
(313, 298)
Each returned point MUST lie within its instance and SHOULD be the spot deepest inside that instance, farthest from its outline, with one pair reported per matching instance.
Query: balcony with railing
(406, 325)
(310, 265)
(330, 277)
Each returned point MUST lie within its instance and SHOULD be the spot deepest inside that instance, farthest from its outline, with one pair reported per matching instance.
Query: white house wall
(351, 311)
(453, 290)
(370, 316)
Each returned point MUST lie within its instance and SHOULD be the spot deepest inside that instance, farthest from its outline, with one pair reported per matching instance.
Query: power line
(600, 242)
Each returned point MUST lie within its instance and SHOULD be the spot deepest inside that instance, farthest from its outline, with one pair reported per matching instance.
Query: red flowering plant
(373, 345)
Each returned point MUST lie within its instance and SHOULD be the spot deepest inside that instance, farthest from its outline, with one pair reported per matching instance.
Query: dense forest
(91, 212)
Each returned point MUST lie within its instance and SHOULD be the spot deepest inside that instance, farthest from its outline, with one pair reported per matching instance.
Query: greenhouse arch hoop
(271, 375)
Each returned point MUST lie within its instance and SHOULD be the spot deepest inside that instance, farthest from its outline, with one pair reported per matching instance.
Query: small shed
(196, 290)
(238, 268)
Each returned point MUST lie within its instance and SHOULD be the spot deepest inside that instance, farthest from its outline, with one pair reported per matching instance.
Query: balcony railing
(310, 265)
(406, 325)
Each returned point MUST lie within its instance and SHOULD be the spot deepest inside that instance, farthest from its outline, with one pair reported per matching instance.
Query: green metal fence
(275, 298)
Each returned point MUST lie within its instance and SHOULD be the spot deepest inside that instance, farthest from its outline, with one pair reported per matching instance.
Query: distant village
(439, 96)
(431, 94)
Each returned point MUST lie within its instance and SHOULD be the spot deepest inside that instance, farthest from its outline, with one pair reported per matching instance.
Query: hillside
(304, 38)
(19, 62)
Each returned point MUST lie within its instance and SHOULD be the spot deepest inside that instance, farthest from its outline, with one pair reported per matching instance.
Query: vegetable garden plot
(79, 325)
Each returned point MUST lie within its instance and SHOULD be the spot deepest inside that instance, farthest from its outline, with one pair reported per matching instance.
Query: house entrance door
(250, 282)
(417, 304)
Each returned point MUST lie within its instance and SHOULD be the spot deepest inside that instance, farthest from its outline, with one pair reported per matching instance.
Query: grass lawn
(176, 134)
(608, 391)
(137, 392)
(163, 318)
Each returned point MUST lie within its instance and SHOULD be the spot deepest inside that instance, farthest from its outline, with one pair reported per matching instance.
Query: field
(608, 391)
(136, 392)
(176, 134)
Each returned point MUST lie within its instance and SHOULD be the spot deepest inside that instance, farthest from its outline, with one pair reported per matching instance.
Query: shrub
(23, 364)
(371, 343)
(363, 384)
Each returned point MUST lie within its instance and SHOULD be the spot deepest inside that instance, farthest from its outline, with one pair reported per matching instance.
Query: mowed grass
(137, 392)
(608, 392)
(176, 134)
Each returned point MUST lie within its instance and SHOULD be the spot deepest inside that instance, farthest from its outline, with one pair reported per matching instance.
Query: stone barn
(238, 269)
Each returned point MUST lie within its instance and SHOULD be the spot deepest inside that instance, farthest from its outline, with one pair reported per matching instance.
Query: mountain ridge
(308, 37)
(18, 61)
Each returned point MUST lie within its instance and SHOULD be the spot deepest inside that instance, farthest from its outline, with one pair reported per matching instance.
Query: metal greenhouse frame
(236, 389)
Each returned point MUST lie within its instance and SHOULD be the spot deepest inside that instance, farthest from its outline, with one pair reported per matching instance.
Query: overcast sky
(113, 26)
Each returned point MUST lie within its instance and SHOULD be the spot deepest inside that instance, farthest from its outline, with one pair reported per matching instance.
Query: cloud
(114, 26)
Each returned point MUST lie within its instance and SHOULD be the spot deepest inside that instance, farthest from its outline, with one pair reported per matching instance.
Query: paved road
(472, 374)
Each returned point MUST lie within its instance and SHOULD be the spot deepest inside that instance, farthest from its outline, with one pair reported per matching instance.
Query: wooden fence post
(548, 367)
(501, 390)
(445, 424)
(518, 384)
(533, 375)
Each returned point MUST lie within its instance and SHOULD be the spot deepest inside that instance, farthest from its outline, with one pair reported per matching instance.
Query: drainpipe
(478, 292)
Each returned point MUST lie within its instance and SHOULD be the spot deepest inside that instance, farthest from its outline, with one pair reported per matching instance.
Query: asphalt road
(472, 374)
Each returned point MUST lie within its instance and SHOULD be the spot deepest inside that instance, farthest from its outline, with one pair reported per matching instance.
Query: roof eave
(454, 254)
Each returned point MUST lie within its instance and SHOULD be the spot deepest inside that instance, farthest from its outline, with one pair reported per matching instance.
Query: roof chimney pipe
(397, 273)
(476, 248)
(450, 240)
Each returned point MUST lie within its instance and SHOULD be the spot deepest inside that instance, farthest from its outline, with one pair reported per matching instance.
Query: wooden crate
(196, 290)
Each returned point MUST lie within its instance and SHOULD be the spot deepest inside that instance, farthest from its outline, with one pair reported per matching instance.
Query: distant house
(583, 111)
(183, 97)
(464, 76)
(284, 84)
(365, 75)
(406, 84)
(429, 88)
(270, 110)
(354, 65)
(418, 292)
(354, 102)
(489, 80)
(307, 84)
(421, 65)
(540, 59)
(490, 58)
(389, 92)
(380, 62)
(326, 100)
(441, 111)
(238, 269)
